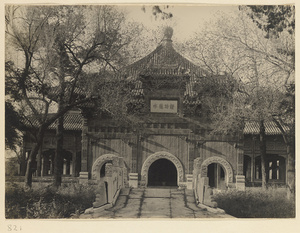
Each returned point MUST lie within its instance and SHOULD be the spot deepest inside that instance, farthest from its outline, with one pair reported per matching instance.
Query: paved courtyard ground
(155, 203)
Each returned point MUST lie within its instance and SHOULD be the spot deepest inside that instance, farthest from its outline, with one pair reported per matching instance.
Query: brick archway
(161, 155)
(224, 163)
(98, 164)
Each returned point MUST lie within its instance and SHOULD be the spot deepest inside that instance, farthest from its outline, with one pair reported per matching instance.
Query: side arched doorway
(109, 171)
(98, 168)
(216, 176)
(219, 172)
(162, 169)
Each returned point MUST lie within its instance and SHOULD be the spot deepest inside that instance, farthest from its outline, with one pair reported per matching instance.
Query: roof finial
(168, 33)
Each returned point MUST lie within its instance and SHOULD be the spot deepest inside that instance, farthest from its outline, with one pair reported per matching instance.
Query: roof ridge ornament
(168, 33)
(167, 39)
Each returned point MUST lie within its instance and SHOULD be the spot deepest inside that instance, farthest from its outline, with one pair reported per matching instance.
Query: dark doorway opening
(247, 168)
(106, 191)
(102, 170)
(162, 172)
(216, 176)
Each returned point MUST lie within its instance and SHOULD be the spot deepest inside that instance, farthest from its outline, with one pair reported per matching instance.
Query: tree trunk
(262, 147)
(31, 160)
(23, 162)
(58, 160)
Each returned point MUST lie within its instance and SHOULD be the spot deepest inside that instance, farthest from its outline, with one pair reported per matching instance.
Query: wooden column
(74, 155)
(84, 149)
(73, 162)
(240, 159)
(253, 160)
(240, 178)
(42, 166)
(135, 151)
(191, 153)
(139, 163)
(84, 175)
(39, 161)
(216, 174)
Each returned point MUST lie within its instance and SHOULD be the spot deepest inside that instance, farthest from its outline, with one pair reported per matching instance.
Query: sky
(186, 19)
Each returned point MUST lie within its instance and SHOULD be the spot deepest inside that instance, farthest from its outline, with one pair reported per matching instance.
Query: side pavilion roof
(73, 121)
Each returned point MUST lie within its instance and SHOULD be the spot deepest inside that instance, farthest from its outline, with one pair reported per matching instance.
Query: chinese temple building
(170, 147)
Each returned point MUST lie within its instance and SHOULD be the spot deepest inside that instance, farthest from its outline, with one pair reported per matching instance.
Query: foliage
(278, 23)
(263, 68)
(160, 11)
(11, 166)
(237, 47)
(273, 18)
(69, 200)
(256, 203)
(13, 124)
(58, 46)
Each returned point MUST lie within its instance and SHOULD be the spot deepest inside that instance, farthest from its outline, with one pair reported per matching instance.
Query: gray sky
(186, 19)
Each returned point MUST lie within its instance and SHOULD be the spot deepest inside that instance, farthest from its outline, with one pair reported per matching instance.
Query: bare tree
(59, 46)
(237, 47)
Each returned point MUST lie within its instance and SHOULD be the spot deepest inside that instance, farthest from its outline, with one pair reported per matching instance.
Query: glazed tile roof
(270, 127)
(56, 90)
(164, 61)
(72, 121)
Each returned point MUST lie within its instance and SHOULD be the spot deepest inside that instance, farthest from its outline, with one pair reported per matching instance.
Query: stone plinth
(240, 182)
(133, 180)
(189, 181)
(83, 177)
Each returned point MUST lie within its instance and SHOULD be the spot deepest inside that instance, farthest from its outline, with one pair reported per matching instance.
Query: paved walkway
(155, 203)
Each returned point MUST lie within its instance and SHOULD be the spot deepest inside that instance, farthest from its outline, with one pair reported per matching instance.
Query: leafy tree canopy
(12, 126)
(273, 18)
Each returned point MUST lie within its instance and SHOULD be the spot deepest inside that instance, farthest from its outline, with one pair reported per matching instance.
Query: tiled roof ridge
(152, 60)
(252, 127)
(72, 121)
(145, 58)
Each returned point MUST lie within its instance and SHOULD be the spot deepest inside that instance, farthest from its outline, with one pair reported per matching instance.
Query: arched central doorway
(160, 165)
(162, 172)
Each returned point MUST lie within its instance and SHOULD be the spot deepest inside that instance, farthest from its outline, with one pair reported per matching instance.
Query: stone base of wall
(189, 181)
(133, 180)
(240, 182)
(83, 177)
